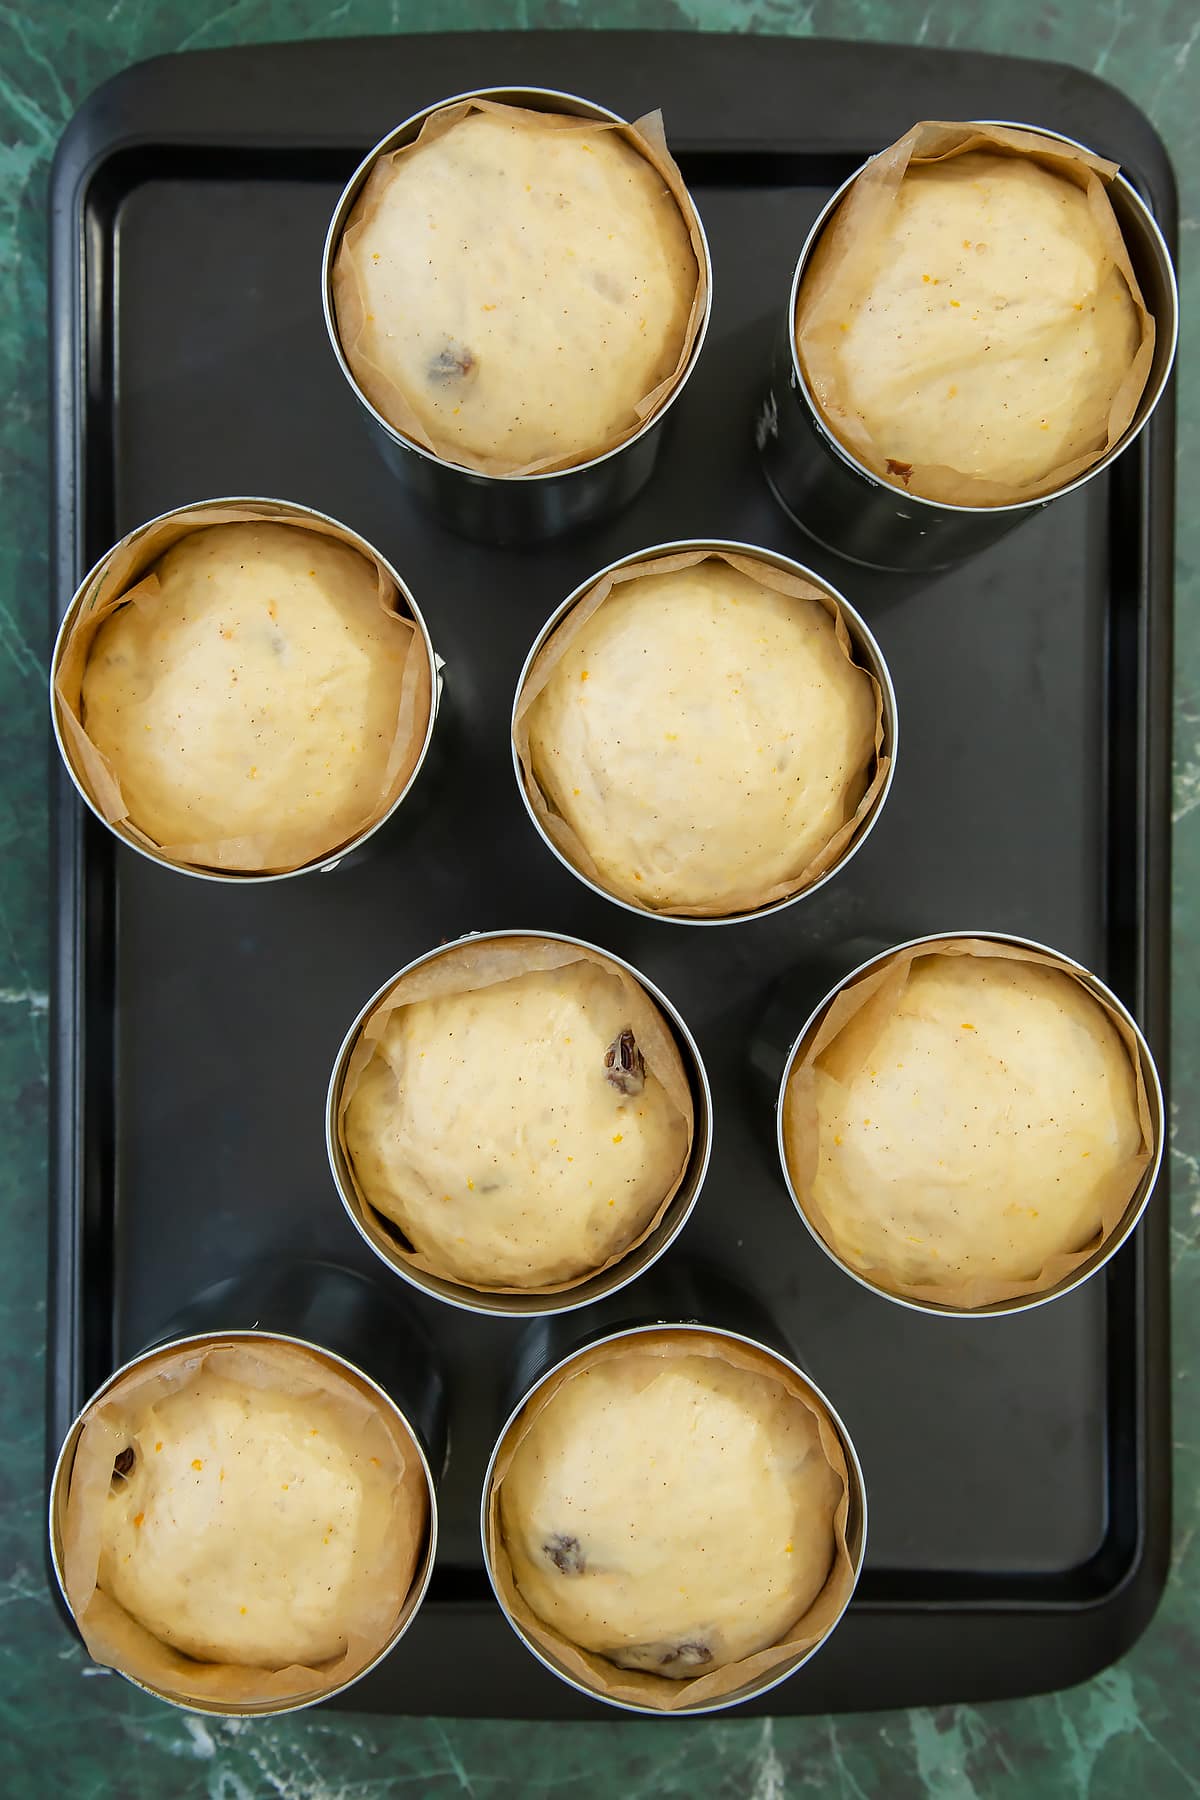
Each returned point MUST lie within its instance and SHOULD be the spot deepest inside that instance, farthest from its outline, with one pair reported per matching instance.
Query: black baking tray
(1018, 1469)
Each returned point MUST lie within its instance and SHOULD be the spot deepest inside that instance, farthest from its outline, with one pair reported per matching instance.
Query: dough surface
(704, 738)
(671, 1515)
(970, 1132)
(487, 1127)
(250, 1527)
(256, 697)
(996, 330)
(515, 291)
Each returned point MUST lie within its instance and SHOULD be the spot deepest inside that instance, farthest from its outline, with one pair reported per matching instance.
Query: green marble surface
(68, 1731)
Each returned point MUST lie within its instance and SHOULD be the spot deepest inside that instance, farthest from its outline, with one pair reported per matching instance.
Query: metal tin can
(385, 1240)
(350, 1322)
(549, 1346)
(274, 512)
(867, 653)
(506, 509)
(1137, 1204)
(846, 508)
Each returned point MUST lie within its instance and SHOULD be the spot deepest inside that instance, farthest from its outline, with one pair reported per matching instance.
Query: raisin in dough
(972, 1132)
(519, 289)
(495, 1130)
(704, 738)
(996, 330)
(256, 697)
(250, 1528)
(671, 1514)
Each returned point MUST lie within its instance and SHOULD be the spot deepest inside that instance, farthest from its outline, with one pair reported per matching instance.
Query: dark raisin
(454, 363)
(565, 1553)
(693, 1656)
(623, 1064)
(902, 469)
(124, 1463)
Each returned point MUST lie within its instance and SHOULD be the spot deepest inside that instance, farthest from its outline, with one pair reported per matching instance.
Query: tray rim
(158, 103)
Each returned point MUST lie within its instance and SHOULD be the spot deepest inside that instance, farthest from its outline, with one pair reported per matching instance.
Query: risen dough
(673, 1515)
(704, 738)
(996, 330)
(255, 697)
(519, 289)
(970, 1132)
(249, 1527)
(487, 1127)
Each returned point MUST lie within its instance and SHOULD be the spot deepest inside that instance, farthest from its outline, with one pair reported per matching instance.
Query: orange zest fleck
(137, 1521)
(197, 1462)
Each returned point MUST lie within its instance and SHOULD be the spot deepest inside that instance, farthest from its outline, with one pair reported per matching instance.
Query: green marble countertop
(1135, 1726)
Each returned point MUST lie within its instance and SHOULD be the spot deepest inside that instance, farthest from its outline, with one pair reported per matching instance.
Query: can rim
(1147, 406)
(579, 107)
(517, 1305)
(858, 1497)
(864, 642)
(330, 860)
(1137, 1204)
(418, 1588)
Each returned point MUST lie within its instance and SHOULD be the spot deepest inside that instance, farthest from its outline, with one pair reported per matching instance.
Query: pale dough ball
(245, 1527)
(671, 1514)
(487, 1127)
(704, 738)
(522, 289)
(995, 334)
(256, 696)
(972, 1133)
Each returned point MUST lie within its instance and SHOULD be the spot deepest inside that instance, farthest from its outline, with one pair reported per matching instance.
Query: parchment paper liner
(465, 968)
(881, 988)
(632, 1685)
(560, 641)
(125, 578)
(843, 261)
(114, 1638)
(646, 136)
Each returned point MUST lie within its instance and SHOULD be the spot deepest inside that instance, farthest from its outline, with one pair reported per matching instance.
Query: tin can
(848, 509)
(343, 1319)
(272, 512)
(1137, 1204)
(866, 653)
(550, 1345)
(387, 1242)
(507, 509)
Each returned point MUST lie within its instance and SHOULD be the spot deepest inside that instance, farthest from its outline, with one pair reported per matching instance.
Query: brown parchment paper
(126, 578)
(647, 136)
(596, 1672)
(845, 259)
(880, 990)
(116, 1639)
(465, 969)
(559, 642)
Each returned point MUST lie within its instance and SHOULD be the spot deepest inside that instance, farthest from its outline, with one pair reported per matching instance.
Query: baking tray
(1017, 1468)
